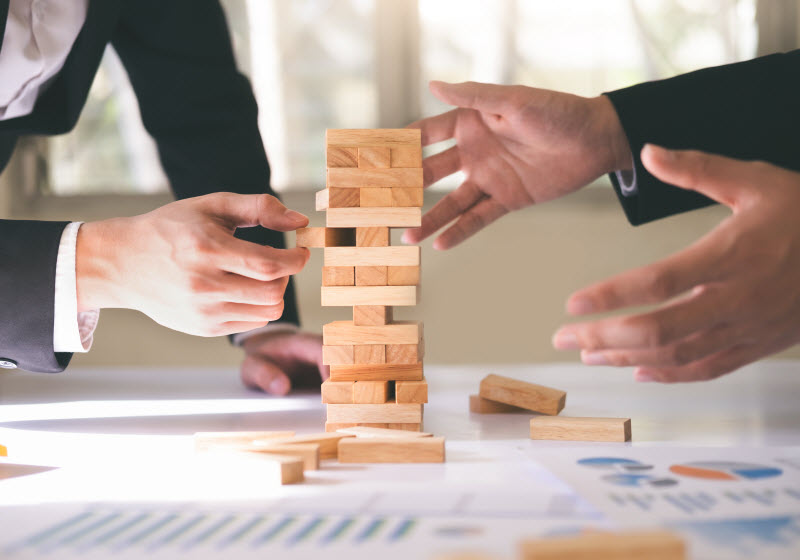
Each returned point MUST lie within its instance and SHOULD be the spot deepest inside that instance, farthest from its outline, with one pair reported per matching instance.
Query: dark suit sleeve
(28, 253)
(197, 106)
(749, 110)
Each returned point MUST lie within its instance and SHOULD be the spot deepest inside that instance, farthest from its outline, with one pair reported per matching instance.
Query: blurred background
(318, 64)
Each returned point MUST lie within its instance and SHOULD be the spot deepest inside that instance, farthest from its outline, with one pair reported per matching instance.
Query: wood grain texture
(404, 353)
(411, 391)
(629, 545)
(340, 333)
(372, 256)
(372, 276)
(403, 275)
(392, 450)
(531, 396)
(338, 355)
(285, 469)
(375, 197)
(346, 296)
(412, 427)
(368, 432)
(308, 452)
(370, 157)
(370, 354)
(580, 429)
(371, 315)
(406, 156)
(373, 217)
(336, 426)
(355, 137)
(337, 198)
(372, 237)
(341, 157)
(479, 405)
(205, 441)
(321, 237)
(384, 412)
(402, 196)
(328, 442)
(377, 372)
(370, 392)
(338, 276)
(337, 392)
(349, 178)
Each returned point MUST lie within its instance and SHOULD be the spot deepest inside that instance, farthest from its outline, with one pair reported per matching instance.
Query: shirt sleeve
(72, 331)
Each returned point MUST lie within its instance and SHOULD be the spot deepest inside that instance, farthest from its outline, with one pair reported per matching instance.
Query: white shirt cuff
(239, 338)
(72, 331)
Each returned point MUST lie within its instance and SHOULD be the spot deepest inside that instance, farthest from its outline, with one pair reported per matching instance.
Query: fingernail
(595, 359)
(295, 216)
(565, 340)
(278, 386)
(404, 238)
(580, 306)
(643, 376)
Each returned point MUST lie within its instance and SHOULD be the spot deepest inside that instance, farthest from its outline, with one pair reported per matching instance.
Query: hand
(517, 146)
(182, 266)
(737, 288)
(277, 360)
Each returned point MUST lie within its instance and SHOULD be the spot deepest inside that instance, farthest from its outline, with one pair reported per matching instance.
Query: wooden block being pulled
(479, 405)
(407, 156)
(338, 276)
(392, 450)
(372, 237)
(308, 452)
(341, 157)
(374, 157)
(338, 355)
(358, 178)
(580, 429)
(531, 396)
(204, 441)
(370, 392)
(336, 426)
(337, 392)
(372, 256)
(371, 276)
(386, 412)
(629, 545)
(411, 391)
(326, 237)
(372, 315)
(374, 217)
(347, 296)
(367, 432)
(337, 198)
(404, 196)
(404, 353)
(402, 275)
(356, 137)
(328, 442)
(345, 333)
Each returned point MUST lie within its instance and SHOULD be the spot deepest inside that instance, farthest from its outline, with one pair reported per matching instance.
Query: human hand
(737, 288)
(276, 361)
(517, 146)
(182, 266)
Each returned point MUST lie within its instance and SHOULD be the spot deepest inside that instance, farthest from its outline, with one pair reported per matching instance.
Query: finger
(439, 166)
(488, 98)
(261, 373)
(723, 179)
(235, 327)
(445, 211)
(240, 289)
(710, 367)
(438, 128)
(473, 220)
(258, 261)
(239, 312)
(247, 210)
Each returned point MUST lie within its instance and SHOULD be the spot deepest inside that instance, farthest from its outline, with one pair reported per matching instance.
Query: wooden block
(580, 429)
(392, 450)
(341, 157)
(372, 276)
(349, 178)
(403, 275)
(308, 452)
(377, 372)
(372, 237)
(333, 296)
(338, 355)
(370, 392)
(354, 137)
(377, 197)
(205, 441)
(340, 333)
(407, 156)
(370, 354)
(479, 405)
(391, 412)
(337, 198)
(410, 427)
(630, 545)
(337, 392)
(404, 353)
(411, 391)
(537, 398)
(371, 315)
(326, 237)
(366, 432)
(336, 426)
(374, 217)
(3, 451)
(328, 442)
(402, 196)
(372, 256)
(338, 276)
(374, 157)
(288, 469)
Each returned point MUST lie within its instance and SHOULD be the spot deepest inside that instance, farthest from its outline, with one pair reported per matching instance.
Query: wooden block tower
(374, 183)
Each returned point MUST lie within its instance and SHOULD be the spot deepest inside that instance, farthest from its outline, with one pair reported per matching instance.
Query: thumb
(723, 179)
(259, 372)
(247, 210)
(487, 98)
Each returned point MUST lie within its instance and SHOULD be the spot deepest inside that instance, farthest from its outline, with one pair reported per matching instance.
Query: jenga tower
(374, 183)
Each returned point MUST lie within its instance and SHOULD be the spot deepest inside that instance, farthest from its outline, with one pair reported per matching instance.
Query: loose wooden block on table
(375, 197)
(404, 353)
(337, 198)
(326, 237)
(411, 391)
(336, 426)
(374, 157)
(374, 217)
(372, 237)
(368, 432)
(349, 178)
(287, 469)
(407, 156)
(369, 354)
(337, 392)
(372, 276)
(411, 427)
(479, 405)
(370, 392)
(341, 157)
(204, 441)
(387, 412)
(402, 275)
(371, 315)
(333, 296)
(392, 450)
(307, 452)
(328, 442)
(346, 333)
(531, 396)
(338, 276)
(338, 355)
(404, 196)
(372, 256)
(580, 429)
(632, 545)
(356, 137)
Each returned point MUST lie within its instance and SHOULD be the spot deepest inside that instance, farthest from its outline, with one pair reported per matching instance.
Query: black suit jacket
(749, 110)
(199, 109)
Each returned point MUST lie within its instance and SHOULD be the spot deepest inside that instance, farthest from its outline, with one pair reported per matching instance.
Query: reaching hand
(517, 146)
(736, 291)
(277, 361)
(182, 266)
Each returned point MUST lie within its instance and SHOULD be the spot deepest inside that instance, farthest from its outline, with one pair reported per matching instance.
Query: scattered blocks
(308, 452)
(392, 450)
(479, 405)
(206, 441)
(327, 442)
(580, 429)
(530, 396)
(633, 545)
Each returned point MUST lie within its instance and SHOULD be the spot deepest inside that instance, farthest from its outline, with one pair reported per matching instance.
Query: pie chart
(725, 470)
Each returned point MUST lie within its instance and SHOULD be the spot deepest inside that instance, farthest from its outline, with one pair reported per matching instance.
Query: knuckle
(658, 284)
(652, 332)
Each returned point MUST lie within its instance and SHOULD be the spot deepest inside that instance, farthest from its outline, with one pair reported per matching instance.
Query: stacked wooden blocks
(374, 183)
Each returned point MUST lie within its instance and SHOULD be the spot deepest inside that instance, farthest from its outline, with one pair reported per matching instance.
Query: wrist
(614, 142)
(96, 269)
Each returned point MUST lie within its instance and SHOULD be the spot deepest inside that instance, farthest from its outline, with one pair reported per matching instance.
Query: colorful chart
(725, 470)
(614, 463)
(639, 480)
